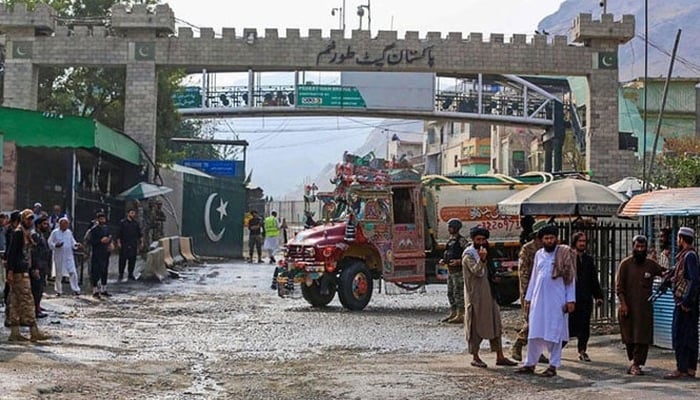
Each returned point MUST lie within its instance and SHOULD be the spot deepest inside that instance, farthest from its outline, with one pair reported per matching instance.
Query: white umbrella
(564, 197)
(143, 190)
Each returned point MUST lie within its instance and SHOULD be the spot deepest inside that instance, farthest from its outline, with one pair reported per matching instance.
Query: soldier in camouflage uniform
(526, 260)
(156, 218)
(455, 281)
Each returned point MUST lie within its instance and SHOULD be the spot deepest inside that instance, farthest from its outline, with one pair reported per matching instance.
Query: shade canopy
(666, 202)
(143, 190)
(29, 128)
(564, 197)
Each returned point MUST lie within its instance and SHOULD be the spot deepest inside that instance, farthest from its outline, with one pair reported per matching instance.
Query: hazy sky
(494, 16)
(287, 152)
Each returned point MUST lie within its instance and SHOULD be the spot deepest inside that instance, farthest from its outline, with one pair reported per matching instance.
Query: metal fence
(609, 242)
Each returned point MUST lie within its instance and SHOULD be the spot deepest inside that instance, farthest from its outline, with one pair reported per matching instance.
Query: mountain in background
(665, 18)
(376, 142)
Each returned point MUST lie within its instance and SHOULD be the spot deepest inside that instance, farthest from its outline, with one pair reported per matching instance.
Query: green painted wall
(213, 210)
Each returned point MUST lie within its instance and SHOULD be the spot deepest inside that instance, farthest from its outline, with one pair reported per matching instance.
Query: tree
(99, 93)
(679, 164)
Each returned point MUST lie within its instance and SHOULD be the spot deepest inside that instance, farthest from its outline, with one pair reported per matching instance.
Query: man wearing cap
(22, 309)
(37, 210)
(633, 284)
(452, 258)
(482, 316)
(62, 242)
(100, 239)
(550, 297)
(526, 259)
(686, 289)
(41, 262)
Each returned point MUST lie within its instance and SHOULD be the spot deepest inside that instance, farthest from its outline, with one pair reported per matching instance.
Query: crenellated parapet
(251, 35)
(42, 18)
(586, 29)
(139, 17)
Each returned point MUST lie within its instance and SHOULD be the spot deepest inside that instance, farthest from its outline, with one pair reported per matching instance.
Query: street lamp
(361, 12)
(341, 15)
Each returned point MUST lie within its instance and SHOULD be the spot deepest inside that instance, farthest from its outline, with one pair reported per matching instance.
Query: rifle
(664, 286)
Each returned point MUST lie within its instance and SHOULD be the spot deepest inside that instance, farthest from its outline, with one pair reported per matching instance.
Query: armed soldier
(452, 258)
(156, 219)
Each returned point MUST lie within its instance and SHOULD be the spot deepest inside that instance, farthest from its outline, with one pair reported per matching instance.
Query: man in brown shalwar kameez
(633, 283)
(482, 319)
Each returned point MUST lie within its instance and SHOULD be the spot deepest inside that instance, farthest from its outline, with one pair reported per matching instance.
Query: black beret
(479, 231)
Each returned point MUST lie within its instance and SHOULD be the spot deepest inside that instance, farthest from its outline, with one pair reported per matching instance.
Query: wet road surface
(219, 332)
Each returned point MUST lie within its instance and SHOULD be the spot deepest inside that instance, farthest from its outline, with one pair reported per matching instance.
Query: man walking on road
(100, 238)
(452, 258)
(482, 317)
(254, 236)
(685, 315)
(551, 295)
(41, 262)
(62, 242)
(525, 261)
(128, 240)
(272, 235)
(633, 284)
(587, 288)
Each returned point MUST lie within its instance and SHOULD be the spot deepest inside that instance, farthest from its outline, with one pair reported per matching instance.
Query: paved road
(219, 332)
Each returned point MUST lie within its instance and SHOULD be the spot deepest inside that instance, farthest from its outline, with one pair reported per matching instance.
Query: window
(403, 206)
(456, 161)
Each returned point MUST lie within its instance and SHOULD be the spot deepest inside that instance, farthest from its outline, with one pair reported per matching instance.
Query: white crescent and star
(214, 237)
(608, 61)
(143, 52)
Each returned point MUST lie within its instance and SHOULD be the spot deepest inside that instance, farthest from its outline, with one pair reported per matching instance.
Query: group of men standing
(559, 286)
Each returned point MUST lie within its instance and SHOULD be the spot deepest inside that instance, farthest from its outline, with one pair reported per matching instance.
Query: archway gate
(143, 40)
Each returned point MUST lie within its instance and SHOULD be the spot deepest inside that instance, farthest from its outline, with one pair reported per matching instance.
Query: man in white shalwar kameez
(551, 296)
(63, 243)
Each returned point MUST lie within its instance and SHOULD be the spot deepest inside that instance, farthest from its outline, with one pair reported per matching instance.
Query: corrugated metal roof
(668, 202)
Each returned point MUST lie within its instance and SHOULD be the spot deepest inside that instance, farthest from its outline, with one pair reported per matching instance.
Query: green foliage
(679, 165)
(99, 93)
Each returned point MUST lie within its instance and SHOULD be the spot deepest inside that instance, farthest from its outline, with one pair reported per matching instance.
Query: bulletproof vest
(453, 248)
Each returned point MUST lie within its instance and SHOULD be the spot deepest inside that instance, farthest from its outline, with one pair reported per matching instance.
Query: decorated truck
(386, 221)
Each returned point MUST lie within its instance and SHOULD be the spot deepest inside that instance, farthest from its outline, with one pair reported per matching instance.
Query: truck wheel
(508, 291)
(355, 288)
(312, 294)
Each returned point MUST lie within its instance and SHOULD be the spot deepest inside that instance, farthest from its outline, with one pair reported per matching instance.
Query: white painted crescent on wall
(214, 237)
(608, 61)
(20, 51)
(143, 52)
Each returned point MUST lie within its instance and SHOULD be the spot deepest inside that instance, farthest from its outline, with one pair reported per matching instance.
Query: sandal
(584, 357)
(479, 364)
(635, 370)
(506, 363)
(549, 372)
(525, 370)
(676, 375)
